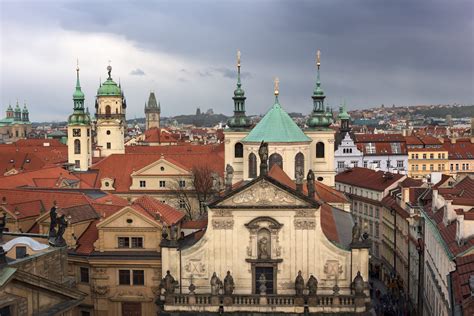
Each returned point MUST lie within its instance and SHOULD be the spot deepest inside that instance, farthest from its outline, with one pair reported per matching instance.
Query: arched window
(299, 164)
(320, 150)
(239, 150)
(77, 146)
(252, 166)
(107, 111)
(275, 159)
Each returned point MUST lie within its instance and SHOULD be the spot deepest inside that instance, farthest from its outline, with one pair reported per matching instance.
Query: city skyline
(372, 53)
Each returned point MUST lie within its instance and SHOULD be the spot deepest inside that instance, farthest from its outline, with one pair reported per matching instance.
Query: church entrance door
(268, 272)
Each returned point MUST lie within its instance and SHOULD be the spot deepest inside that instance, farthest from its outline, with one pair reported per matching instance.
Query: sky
(373, 52)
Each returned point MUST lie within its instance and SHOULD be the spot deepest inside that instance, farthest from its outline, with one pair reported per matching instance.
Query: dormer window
(130, 242)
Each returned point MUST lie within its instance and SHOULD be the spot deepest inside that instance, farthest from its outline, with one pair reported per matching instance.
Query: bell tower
(79, 132)
(110, 114)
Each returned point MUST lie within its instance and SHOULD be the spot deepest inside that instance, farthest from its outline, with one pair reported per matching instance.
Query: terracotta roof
(390, 202)
(63, 198)
(85, 243)
(328, 224)
(129, 163)
(22, 210)
(444, 179)
(368, 179)
(413, 140)
(462, 149)
(373, 138)
(460, 278)
(382, 149)
(159, 135)
(462, 192)
(410, 182)
(430, 140)
(198, 224)
(79, 213)
(168, 214)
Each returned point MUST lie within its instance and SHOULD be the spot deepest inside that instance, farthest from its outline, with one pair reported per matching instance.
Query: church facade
(294, 149)
(268, 248)
(16, 125)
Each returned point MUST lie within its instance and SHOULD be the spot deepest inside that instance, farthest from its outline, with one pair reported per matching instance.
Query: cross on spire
(276, 86)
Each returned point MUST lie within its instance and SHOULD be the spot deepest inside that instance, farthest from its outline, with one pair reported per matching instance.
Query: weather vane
(109, 69)
(276, 86)
(318, 58)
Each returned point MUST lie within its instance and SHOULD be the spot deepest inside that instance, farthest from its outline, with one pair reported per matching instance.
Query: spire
(239, 120)
(317, 88)
(321, 116)
(276, 89)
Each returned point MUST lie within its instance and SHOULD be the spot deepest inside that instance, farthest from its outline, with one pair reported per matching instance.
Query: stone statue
(263, 248)
(53, 215)
(262, 287)
(229, 175)
(228, 284)
(299, 176)
(356, 232)
(312, 285)
(299, 284)
(216, 284)
(358, 284)
(62, 224)
(263, 154)
(168, 283)
(310, 183)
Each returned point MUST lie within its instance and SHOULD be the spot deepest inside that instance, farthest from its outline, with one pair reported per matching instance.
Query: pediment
(128, 218)
(263, 193)
(161, 166)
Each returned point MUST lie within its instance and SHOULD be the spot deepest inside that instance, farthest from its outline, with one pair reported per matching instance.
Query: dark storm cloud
(373, 51)
(137, 72)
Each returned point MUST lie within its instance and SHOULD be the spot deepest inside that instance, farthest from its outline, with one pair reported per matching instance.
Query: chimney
(310, 184)
(406, 195)
(453, 140)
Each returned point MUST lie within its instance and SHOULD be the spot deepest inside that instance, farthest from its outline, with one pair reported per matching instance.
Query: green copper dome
(239, 121)
(343, 115)
(17, 108)
(10, 108)
(276, 127)
(109, 88)
(25, 110)
(78, 118)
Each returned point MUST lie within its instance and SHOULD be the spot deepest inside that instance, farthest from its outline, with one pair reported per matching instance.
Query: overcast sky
(373, 52)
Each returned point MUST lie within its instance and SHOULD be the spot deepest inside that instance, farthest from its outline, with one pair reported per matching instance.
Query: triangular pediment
(162, 167)
(128, 217)
(265, 192)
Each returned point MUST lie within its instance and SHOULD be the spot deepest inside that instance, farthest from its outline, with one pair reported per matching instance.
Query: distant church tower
(110, 107)
(322, 146)
(152, 112)
(238, 127)
(79, 132)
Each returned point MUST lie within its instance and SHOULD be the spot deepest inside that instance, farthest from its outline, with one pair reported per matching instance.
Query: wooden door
(131, 309)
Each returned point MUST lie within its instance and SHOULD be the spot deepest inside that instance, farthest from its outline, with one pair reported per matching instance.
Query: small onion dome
(239, 92)
(25, 110)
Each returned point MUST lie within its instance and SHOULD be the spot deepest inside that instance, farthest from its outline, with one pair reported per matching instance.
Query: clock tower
(110, 108)
(79, 132)
(152, 112)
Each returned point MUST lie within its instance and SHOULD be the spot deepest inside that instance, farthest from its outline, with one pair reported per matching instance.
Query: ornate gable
(162, 167)
(263, 192)
(128, 218)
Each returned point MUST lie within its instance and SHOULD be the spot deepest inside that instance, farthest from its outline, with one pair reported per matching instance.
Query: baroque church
(294, 149)
(16, 124)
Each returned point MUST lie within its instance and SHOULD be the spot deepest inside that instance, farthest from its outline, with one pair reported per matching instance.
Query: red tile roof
(328, 224)
(159, 135)
(85, 243)
(373, 138)
(153, 207)
(22, 210)
(460, 278)
(462, 149)
(198, 224)
(368, 179)
(390, 203)
(63, 198)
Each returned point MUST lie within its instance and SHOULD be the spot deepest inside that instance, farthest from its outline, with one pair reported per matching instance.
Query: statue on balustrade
(228, 284)
(216, 284)
(312, 285)
(299, 284)
(168, 283)
(356, 232)
(262, 280)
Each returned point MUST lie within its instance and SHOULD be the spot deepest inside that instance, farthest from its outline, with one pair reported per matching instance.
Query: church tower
(110, 107)
(152, 112)
(238, 127)
(322, 145)
(79, 132)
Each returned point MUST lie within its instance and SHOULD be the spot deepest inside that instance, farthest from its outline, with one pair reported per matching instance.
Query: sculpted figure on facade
(262, 281)
(263, 248)
(310, 183)
(229, 175)
(62, 224)
(216, 284)
(168, 283)
(263, 154)
(312, 285)
(53, 216)
(356, 232)
(299, 284)
(228, 284)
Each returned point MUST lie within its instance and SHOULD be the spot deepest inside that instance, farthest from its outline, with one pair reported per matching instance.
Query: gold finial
(276, 86)
(77, 68)
(318, 58)
(238, 58)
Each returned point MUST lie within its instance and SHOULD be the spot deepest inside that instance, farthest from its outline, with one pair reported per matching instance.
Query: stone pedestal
(215, 300)
(299, 301)
(335, 300)
(359, 301)
(263, 300)
(169, 300)
(228, 301)
(312, 300)
(192, 299)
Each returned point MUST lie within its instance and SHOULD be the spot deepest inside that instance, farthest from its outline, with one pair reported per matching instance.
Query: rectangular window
(20, 252)
(162, 184)
(77, 163)
(388, 164)
(138, 277)
(340, 165)
(371, 211)
(182, 183)
(182, 204)
(109, 145)
(424, 156)
(377, 230)
(424, 167)
(457, 167)
(124, 277)
(395, 148)
(84, 275)
(370, 148)
(431, 156)
(412, 156)
(442, 156)
(377, 163)
(124, 242)
(142, 183)
(365, 163)
(431, 167)
(416, 156)
(354, 163)
(365, 209)
(377, 212)
(452, 167)
(399, 163)
(137, 242)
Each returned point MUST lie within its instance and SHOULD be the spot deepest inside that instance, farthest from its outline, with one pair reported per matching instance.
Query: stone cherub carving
(216, 284)
(312, 285)
(168, 283)
(263, 154)
(228, 284)
(299, 284)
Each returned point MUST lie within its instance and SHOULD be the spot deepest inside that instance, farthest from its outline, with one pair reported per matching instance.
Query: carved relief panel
(305, 219)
